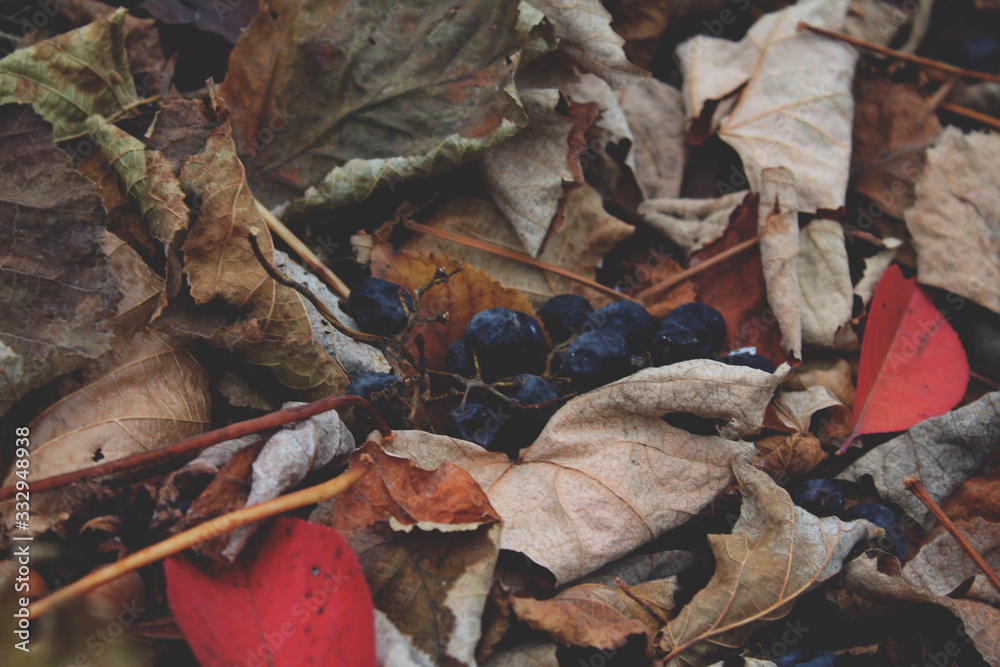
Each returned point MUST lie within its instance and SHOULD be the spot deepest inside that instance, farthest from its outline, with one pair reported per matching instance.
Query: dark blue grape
(525, 423)
(804, 657)
(757, 361)
(715, 325)
(473, 422)
(531, 356)
(458, 361)
(627, 318)
(894, 540)
(564, 315)
(376, 306)
(678, 341)
(821, 497)
(386, 393)
(495, 336)
(595, 358)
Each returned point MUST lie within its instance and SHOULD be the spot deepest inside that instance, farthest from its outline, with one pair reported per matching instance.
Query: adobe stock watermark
(102, 639)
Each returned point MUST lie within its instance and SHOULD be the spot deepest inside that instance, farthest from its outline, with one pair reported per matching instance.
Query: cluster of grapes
(504, 357)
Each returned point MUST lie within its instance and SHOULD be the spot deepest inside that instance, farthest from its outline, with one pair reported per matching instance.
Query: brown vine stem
(205, 531)
(303, 251)
(914, 486)
(516, 256)
(662, 286)
(899, 55)
(203, 440)
(970, 113)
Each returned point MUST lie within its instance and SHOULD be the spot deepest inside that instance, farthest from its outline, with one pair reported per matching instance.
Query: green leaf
(71, 76)
(407, 90)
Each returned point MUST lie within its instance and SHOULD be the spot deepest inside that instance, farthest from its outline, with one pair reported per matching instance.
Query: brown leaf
(955, 221)
(978, 497)
(436, 92)
(943, 452)
(832, 375)
(272, 326)
(427, 541)
(588, 234)
(528, 175)
(59, 292)
(736, 288)
(942, 564)
(583, 28)
(607, 474)
(226, 20)
(864, 579)
(589, 615)
(776, 553)
(793, 412)
(893, 127)
(465, 294)
(785, 457)
(146, 392)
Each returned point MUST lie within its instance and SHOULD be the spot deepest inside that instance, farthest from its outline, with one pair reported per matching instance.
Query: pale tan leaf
(393, 648)
(879, 22)
(691, 223)
(525, 655)
(528, 174)
(776, 553)
(875, 266)
(146, 392)
(778, 229)
(655, 113)
(583, 28)
(955, 221)
(825, 283)
(833, 375)
(796, 107)
(795, 409)
(607, 474)
(942, 564)
(587, 236)
(942, 452)
(864, 579)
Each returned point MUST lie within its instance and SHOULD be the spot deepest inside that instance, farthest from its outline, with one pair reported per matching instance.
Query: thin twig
(205, 531)
(516, 256)
(277, 276)
(971, 113)
(303, 251)
(203, 440)
(914, 486)
(899, 55)
(674, 280)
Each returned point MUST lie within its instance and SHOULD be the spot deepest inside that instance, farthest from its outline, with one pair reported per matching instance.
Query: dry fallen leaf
(583, 28)
(58, 290)
(145, 392)
(72, 76)
(588, 234)
(825, 286)
(590, 615)
(942, 564)
(778, 226)
(655, 113)
(466, 293)
(525, 655)
(234, 302)
(427, 542)
(691, 223)
(607, 474)
(528, 175)
(796, 107)
(893, 127)
(776, 553)
(437, 92)
(942, 452)
(865, 579)
(955, 221)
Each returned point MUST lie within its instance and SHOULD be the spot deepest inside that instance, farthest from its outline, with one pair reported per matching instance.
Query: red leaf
(913, 366)
(295, 597)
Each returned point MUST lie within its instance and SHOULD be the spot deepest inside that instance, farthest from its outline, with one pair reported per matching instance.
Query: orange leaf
(465, 294)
